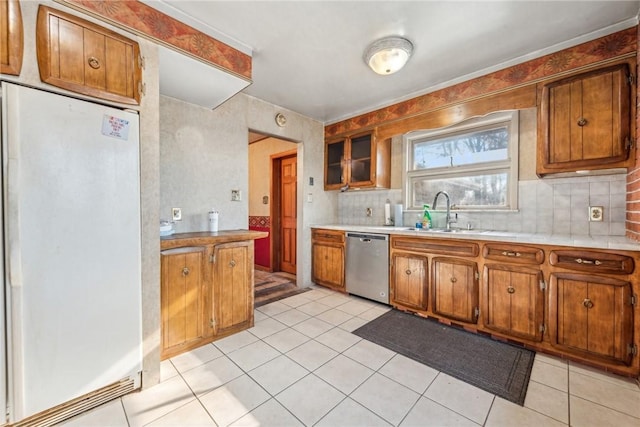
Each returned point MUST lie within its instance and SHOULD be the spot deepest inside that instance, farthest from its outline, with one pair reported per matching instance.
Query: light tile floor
(301, 365)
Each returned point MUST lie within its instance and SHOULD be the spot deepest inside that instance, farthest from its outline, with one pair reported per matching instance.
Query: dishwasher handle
(368, 238)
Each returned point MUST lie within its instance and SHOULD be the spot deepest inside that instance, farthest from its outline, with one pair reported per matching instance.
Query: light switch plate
(596, 213)
(236, 196)
(176, 214)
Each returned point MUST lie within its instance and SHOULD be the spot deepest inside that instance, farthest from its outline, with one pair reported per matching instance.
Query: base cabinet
(514, 300)
(327, 253)
(455, 288)
(409, 282)
(233, 290)
(592, 316)
(184, 295)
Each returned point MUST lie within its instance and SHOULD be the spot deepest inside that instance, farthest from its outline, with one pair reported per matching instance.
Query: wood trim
(574, 59)
(136, 17)
(12, 35)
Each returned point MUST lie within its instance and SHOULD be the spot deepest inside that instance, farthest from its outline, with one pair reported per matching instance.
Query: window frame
(509, 118)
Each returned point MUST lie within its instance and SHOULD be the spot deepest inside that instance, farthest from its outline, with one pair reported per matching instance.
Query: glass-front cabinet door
(334, 164)
(361, 155)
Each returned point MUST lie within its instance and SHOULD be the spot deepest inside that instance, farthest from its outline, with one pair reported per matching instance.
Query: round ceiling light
(388, 55)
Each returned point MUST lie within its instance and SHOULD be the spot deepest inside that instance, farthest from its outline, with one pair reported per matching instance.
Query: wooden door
(183, 297)
(288, 213)
(409, 281)
(591, 314)
(514, 300)
(455, 288)
(233, 273)
(328, 265)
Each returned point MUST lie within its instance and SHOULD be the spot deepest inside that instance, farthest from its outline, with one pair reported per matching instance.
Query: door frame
(276, 208)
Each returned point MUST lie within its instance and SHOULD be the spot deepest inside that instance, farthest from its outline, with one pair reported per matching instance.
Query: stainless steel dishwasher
(367, 266)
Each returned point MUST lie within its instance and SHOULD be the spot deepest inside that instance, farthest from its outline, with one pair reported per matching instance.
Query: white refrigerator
(72, 260)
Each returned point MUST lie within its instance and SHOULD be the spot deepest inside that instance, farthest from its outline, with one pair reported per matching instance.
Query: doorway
(270, 160)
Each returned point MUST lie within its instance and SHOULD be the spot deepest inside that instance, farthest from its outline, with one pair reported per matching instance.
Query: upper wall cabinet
(585, 121)
(11, 37)
(359, 161)
(82, 57)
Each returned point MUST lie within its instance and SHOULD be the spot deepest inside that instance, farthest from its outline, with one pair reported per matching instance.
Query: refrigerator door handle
(14, 267)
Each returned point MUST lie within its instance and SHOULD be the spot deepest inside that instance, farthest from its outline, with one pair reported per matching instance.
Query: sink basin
(456, 231)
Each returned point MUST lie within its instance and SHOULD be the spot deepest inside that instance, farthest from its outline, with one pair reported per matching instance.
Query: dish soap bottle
(426, 217)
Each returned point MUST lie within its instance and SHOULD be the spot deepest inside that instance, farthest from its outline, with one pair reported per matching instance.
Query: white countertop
(581, 241)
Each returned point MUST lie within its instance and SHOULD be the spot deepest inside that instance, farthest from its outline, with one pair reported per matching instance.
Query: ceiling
(307, 55)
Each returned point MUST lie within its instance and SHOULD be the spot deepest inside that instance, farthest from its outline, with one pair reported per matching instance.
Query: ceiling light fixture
(388, 55)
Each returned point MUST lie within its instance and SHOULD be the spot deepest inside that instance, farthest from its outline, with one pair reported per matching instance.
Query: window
(475, 162)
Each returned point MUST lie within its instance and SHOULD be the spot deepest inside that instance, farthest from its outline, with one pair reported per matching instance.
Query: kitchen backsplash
(549, 206)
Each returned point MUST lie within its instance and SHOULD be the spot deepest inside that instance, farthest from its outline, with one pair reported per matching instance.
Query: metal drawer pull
(588, 261)
(185, 271)
(408, 272)
(582, 121)
(505, 253)
(587, 303)
(511, 289)
(454, 280)
(93, 62)
(232, 263)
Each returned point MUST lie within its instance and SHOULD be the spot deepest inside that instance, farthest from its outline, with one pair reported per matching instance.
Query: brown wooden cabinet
(233, 286)
(514, 300)
(183, 298)
(409, 281)
(585, 121)
(592, 316)
(327, 253)
(360, 161)
(11, 37)
(80, 56)
(455, 288)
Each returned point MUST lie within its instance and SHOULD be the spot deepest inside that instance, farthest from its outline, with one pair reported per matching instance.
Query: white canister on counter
(213, 220)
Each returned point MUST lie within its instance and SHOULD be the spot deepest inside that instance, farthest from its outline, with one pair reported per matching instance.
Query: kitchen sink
(454, 231)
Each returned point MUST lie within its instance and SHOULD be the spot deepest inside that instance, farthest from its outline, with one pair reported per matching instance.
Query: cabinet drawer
(597, 262)
(517, 254)
(445, 247)
(328, 236)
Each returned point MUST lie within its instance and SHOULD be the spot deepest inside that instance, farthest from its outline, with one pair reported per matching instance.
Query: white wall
(204, 154)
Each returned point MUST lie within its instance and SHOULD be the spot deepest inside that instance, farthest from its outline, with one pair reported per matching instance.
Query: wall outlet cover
(596, 213)
(236, 196)
(176, 214)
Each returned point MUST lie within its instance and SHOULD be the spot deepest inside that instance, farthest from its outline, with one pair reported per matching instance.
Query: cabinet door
(409, 284)
(183, 297)
(11, 37)
(455, 288)
(585, 120)
(335, 162)
(233, 286)
(514, 300)
(362, 160)
(591, 315)
(80, 56)
(328, 265)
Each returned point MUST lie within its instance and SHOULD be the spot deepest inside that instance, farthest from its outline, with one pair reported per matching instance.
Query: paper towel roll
(398, 220)
(387, 213)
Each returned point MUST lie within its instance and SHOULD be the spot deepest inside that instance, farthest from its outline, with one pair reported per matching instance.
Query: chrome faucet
(448, 217)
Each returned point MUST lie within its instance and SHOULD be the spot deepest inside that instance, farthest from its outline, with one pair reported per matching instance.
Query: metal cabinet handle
(408, 272)
(93, 62)
(587, 303)
(582, 121)
(185, 271)
(453, 280)
(588, 261)
(511, 289)
(232, 263)
(516, 254)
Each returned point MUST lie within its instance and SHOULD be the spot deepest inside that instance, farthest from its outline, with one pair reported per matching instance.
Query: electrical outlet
(236, 196)
(176, 214)
(369, 212)
(596, 213)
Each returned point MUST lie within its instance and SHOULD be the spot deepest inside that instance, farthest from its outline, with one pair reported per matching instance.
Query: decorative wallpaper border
(608, 47)
(148, 22)
(260, 221)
